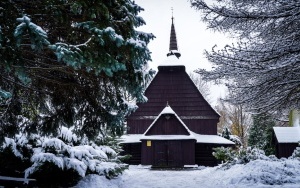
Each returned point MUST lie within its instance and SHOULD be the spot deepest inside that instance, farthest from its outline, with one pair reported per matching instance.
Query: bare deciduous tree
(263, 67)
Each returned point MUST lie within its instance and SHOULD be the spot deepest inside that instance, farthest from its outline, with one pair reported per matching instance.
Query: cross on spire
(172, 15)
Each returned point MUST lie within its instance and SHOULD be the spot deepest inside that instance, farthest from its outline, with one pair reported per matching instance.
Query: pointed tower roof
(173, 49)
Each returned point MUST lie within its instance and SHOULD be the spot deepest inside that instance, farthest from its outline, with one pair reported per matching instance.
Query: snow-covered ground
(258, 173)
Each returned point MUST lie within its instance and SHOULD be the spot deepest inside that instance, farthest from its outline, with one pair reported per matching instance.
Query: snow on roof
(209, 139)
(287, 134)
(212, 139)
(168, 137)
(168, 110)
(171, 60)
(130, 138)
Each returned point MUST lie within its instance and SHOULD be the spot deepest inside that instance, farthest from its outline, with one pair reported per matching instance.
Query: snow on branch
(262, 68)
(38, 36)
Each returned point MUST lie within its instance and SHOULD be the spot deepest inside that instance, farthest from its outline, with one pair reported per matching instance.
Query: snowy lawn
(258, 173)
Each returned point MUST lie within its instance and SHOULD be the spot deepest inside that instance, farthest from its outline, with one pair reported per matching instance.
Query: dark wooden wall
(285, 149)
(138, 126)
(168, 153)
(205, 126)
(133, 149)
(167, 124)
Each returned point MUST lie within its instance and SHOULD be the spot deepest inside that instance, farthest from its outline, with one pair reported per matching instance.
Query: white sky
(192, 36)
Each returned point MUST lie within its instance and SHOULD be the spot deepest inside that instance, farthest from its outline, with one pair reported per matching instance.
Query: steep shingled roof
(173, 48)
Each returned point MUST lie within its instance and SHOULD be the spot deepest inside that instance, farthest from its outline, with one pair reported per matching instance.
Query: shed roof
(287, 134)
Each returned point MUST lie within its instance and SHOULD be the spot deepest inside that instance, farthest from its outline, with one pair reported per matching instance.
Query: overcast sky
(193, 37)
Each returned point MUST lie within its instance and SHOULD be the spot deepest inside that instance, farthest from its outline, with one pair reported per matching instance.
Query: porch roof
(200, 138)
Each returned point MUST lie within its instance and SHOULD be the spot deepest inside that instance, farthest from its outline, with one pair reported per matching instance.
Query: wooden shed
(176, 126)
(286, 139)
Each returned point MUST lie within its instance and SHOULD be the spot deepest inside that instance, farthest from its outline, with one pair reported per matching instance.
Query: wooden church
(177, 126)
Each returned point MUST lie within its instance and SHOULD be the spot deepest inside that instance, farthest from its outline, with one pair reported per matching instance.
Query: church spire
(173, 49)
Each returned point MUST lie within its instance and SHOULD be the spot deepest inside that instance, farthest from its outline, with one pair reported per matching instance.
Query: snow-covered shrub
(230, 156)
(67, 159)
(58, 161)
(113, 142)
(245, 155)
(228, 135)
(236, 140)
(223, 154)
(296, 153)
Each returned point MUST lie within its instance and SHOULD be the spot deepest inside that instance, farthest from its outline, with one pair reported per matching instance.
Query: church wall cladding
(202, 126)
(168, 153)
(138, 126)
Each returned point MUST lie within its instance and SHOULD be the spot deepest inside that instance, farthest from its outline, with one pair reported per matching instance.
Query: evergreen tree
(69, 63)
(260, 133)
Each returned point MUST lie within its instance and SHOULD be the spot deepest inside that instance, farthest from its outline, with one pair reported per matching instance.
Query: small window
(148, 143)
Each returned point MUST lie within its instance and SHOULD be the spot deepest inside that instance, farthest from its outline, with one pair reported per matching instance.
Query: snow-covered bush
(62, 160)
(68, 154)
(223, 154)
(228, 135)
(296, 153)
(229, 156)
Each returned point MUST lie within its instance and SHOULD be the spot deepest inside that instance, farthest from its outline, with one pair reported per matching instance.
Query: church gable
(167, 123)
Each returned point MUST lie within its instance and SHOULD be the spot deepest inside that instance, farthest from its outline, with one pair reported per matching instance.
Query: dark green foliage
(11, 165)
(49, 175)
(70, 63)
(226, 133)
(223, 154)
(260, 134)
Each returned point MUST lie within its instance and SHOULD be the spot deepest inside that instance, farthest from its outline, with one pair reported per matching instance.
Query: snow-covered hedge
(250, 166)
(66, 153)
(229, 156)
